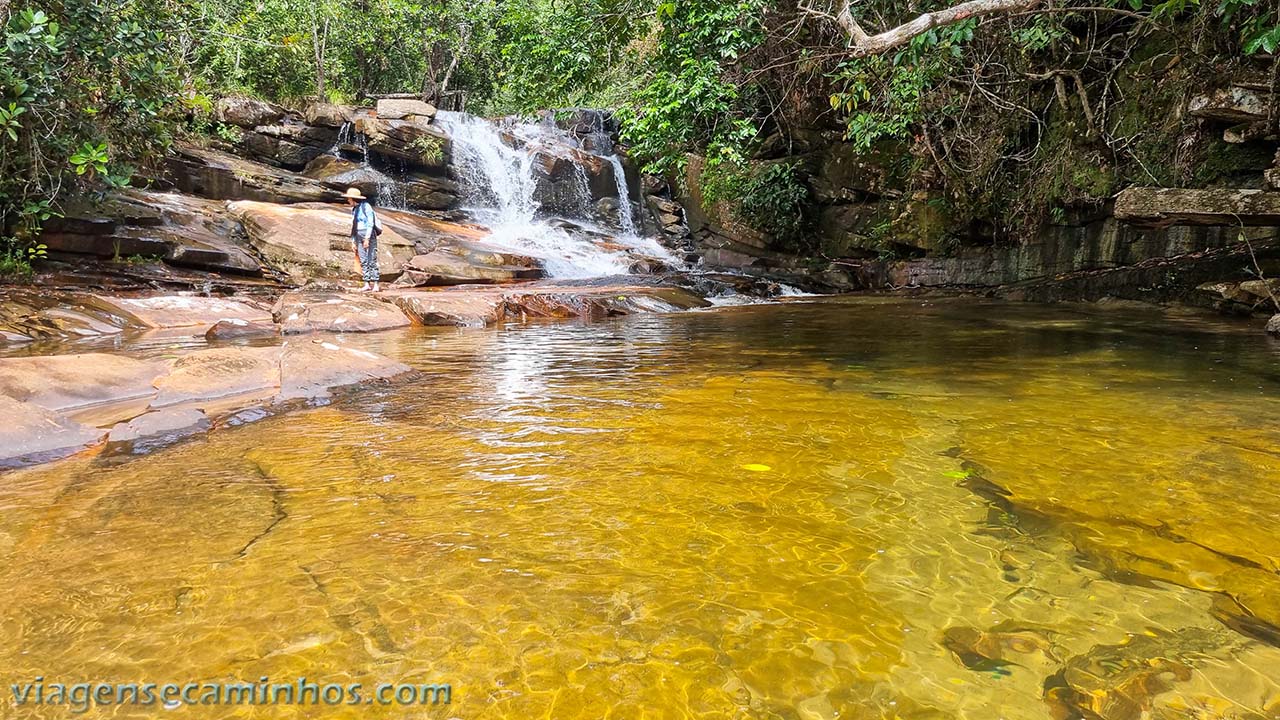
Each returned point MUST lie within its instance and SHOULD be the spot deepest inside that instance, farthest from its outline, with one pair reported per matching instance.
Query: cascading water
(528, 183)
(626, 219)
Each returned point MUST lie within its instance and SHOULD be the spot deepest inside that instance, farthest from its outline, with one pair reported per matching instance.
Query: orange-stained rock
(218, 373)
(330, 311)
(312, 240)
(312, 368)
(469, 306)
(32, 434)
(473, 308)
(69, 382)
(167, 311)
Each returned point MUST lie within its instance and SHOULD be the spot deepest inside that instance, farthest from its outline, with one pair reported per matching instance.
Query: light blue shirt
(365, 219)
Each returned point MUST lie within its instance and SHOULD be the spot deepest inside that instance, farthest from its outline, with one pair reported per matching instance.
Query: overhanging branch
(862, 44)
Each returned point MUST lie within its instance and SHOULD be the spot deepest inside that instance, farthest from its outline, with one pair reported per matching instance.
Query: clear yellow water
(867, 509)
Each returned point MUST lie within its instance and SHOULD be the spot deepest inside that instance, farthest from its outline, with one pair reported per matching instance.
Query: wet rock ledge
(237, 358)
(59, 405)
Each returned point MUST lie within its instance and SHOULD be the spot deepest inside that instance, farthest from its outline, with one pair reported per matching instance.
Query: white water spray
(499, 166)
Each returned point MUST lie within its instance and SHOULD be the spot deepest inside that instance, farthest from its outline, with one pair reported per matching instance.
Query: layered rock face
(884, 232)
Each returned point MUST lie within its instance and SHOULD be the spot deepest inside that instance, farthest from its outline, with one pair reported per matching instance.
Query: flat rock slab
(477, 307)
(168, 311)
(69, 382)
(1163, 207)
(155, 430)
(32, 434)
(305, 312)
(398, 109)
(311, 369)
(208, 375)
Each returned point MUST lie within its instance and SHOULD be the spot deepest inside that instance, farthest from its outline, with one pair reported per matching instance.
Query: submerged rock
(32, 434)
(155, 430)
(226, 330)
(311, 370)
(330, 311)
(469, 309)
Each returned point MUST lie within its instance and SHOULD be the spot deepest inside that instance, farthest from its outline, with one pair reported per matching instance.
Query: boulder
(1261, 289)
(218, 373)
(339, 174)
(1273, 325)
(569, 181)
(311, 370)
(411, 142)
(222, 176)
(247, 112)
(1230, 105)
(32, 434)
(167, 311)
(470, 309)
(228, 330)
(428, 192)
(328, 311)
(329, 115)
(291, 146)
(312, 240)
(1151, 207)
(69, 382)
(445, 267)
(400, 109)
(154, 430)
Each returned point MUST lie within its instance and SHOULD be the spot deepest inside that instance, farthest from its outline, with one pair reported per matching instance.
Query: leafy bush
(775, 200)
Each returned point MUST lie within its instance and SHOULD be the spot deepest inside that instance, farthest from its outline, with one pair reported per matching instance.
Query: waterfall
(625, 217)
(527, 182)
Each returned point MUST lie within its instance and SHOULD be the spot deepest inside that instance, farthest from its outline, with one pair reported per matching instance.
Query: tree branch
(862, 44)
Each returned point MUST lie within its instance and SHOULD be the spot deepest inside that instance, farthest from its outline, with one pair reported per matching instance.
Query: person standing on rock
(365, 229)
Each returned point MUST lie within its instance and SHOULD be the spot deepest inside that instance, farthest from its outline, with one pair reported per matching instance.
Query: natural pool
(854, 509)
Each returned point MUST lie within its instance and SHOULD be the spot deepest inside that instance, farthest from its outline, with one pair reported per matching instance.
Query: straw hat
(355, 194)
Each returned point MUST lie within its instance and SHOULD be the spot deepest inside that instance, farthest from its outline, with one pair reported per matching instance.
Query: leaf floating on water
(756, 467)
(957, 474)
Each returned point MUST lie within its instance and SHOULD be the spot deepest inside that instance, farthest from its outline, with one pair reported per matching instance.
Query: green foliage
(775, 200)
(883, 96)
(690, 101)
(429, 148)
(86, 88)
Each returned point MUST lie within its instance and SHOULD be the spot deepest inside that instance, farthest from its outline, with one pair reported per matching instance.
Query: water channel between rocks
(854, 509)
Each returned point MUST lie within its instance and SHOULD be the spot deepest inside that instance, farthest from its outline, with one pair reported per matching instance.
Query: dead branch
(863, 44)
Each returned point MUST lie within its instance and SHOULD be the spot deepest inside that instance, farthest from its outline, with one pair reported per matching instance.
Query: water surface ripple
(859, 509)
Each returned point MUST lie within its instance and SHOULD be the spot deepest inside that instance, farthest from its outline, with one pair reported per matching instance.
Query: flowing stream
(843, 509)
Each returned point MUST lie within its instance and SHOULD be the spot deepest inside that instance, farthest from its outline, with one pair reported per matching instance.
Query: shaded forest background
(1009, 118)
